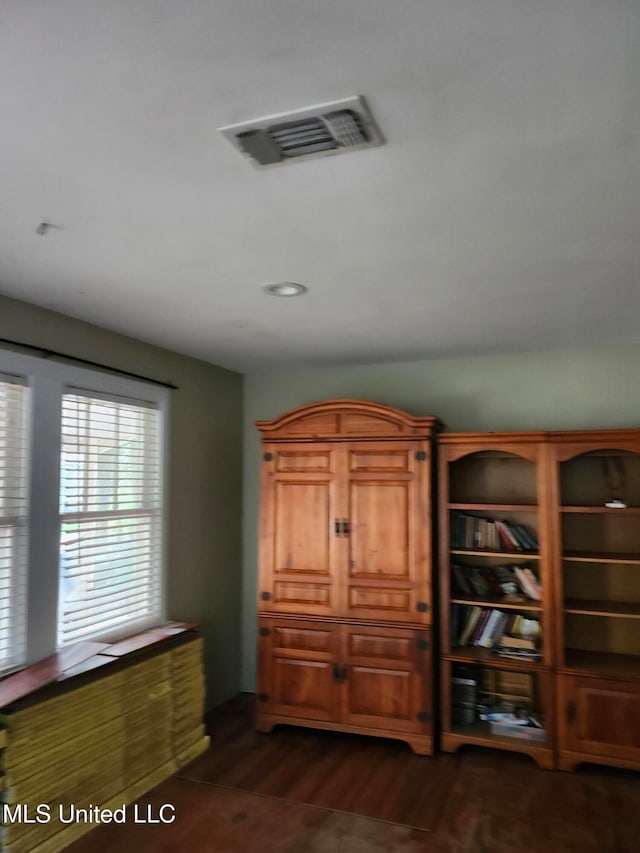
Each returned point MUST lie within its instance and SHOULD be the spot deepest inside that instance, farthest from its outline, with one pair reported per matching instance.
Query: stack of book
(487, 627)
(496, 580)
(527, 727)
(187, 676)
(464, 694)
(503, 685)
(147, 687)
(68, 750)
(102, 744)
(477, 532)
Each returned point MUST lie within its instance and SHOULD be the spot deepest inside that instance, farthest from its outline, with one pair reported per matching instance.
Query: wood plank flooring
(303, 791)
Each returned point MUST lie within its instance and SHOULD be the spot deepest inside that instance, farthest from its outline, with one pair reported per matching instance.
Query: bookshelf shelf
(487, 657)
(601, 510)
(482, 730)
(494, 507)
(613, 609)
(580, 557)
(603, 663)
(480, 735)
(497, 602)
(510, 555)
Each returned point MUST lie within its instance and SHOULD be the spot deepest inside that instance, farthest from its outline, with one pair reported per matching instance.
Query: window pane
(110, 504)
(13, 524)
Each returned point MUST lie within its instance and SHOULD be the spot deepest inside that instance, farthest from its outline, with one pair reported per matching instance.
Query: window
(82, 461)
(13, 522)
(110, 514)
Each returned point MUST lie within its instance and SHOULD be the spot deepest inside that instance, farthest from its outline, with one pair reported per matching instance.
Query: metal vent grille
(319, 131)
(302, 137)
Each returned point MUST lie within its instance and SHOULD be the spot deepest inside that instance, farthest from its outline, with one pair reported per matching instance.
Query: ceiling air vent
(333, 128)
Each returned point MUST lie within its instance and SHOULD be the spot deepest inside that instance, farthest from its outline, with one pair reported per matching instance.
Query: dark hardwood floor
(304, 791)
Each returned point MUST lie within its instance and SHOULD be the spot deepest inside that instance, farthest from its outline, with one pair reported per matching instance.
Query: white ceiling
(502, 214)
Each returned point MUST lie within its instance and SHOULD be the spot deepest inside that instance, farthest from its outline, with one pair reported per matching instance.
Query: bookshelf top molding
(340, 420)
(490, 439)
(605, 437)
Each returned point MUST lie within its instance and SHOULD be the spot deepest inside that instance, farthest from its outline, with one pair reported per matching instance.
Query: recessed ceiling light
(284, 288)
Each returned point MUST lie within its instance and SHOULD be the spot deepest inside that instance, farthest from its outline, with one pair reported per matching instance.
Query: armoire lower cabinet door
(599, 721)
(385, 678)
(297, 670)
(346, 677)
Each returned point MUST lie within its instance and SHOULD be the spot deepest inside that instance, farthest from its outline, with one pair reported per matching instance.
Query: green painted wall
(205, 461)
(571, 389)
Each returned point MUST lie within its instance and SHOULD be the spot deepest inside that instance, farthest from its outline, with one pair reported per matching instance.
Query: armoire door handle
(340, 672)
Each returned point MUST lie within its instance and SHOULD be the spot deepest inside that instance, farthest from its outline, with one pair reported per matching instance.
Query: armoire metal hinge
(268, 457)
(421, 455)
(422, 644)
(571, 711)
(422, 607)
(264, 632)
(265, 596)
(424, 716)
(263, 697)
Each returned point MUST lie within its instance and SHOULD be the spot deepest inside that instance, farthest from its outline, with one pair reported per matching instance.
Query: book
(509, 540)
(535, 583)
(484, 639)
(530, 541)
(480, 625)
(526, 584)
(472, 618)
(461, 581)
(479, 580)
(507, 641)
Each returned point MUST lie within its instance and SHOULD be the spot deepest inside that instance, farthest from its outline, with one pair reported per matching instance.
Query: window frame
(46, 383)
(15, 521)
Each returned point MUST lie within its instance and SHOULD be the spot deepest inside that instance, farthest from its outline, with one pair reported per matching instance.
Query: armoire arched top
(347, 419)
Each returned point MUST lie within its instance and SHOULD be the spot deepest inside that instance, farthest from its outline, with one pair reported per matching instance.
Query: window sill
(85, 657)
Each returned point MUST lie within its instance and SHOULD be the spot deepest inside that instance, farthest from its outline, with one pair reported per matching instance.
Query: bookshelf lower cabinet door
(386, 680)
(599, 719)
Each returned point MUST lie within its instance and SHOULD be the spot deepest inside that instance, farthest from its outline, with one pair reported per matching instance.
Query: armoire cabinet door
(386, 501)
(359, 676)
(299, 546)
(600, 717)
(297, 669)
(386, 677)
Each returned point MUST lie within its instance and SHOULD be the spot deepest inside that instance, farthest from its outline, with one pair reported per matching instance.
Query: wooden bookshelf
(493, 477)
(596, 564)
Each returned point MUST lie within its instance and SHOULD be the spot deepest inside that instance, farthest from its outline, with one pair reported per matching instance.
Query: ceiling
(501, 215)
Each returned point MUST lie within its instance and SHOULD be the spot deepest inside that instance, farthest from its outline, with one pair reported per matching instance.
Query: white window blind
(111, 516)
(13, 524)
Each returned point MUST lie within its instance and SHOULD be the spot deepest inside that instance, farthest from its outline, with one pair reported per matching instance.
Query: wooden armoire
(345, 566)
